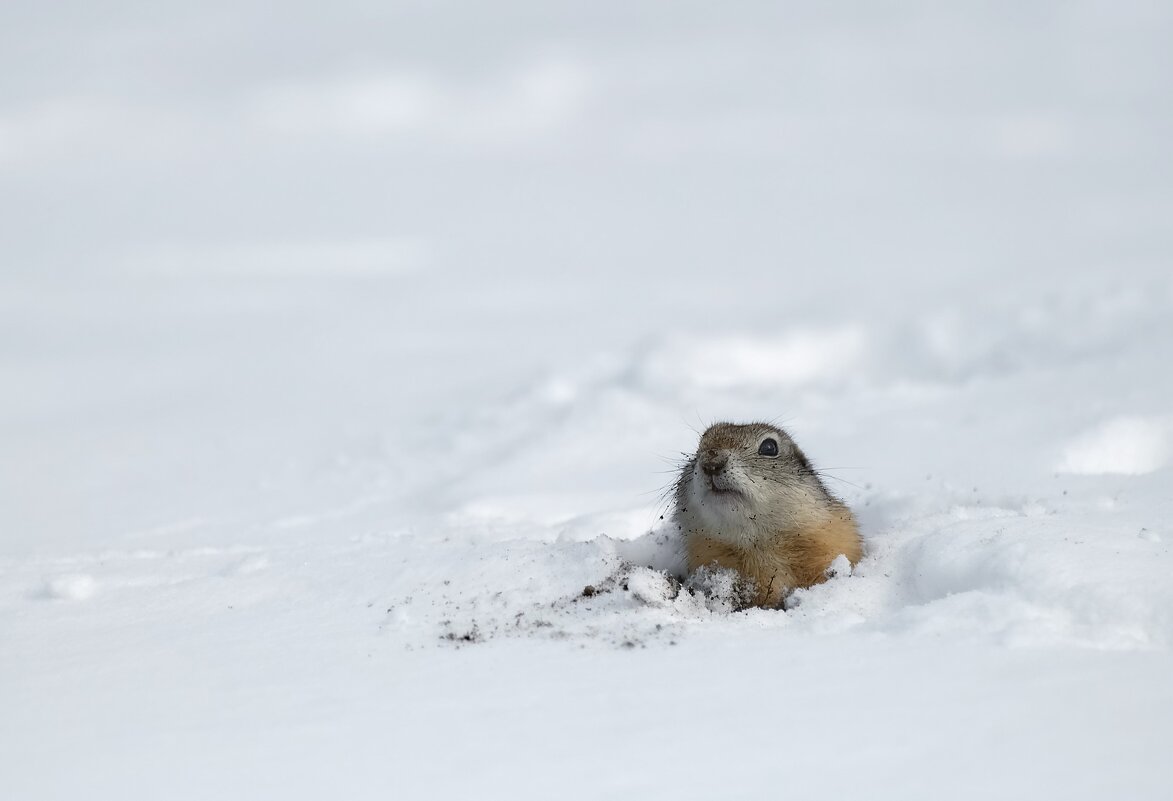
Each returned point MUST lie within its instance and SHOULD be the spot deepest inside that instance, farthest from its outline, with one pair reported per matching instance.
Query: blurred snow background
(327, 332)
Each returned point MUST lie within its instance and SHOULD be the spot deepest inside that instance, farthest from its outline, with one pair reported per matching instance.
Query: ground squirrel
(749, 500)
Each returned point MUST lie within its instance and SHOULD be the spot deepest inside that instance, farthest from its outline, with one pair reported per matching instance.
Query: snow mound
(70, 587)
(1123, 445)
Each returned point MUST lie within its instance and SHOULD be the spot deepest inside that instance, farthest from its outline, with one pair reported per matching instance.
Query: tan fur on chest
(780, 563)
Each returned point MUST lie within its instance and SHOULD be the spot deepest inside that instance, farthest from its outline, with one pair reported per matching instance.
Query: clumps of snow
(1127, 445)
(705, 592)
(840, 566)
(70, 587)
(652, 587)
(720, 589)
(713, 589)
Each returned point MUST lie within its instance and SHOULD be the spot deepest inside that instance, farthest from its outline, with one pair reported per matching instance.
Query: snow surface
(347, 356)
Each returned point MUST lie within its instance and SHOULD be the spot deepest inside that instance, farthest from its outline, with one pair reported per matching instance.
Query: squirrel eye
(769, 447)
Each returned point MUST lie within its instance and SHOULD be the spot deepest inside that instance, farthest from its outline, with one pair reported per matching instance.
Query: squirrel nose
(714, 463)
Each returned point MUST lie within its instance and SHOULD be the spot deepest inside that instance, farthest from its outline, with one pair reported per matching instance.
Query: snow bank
(1122, 445)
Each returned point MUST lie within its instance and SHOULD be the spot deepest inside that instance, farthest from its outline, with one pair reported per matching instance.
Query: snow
(71, 586)
(347, 358)
(1124, 445)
